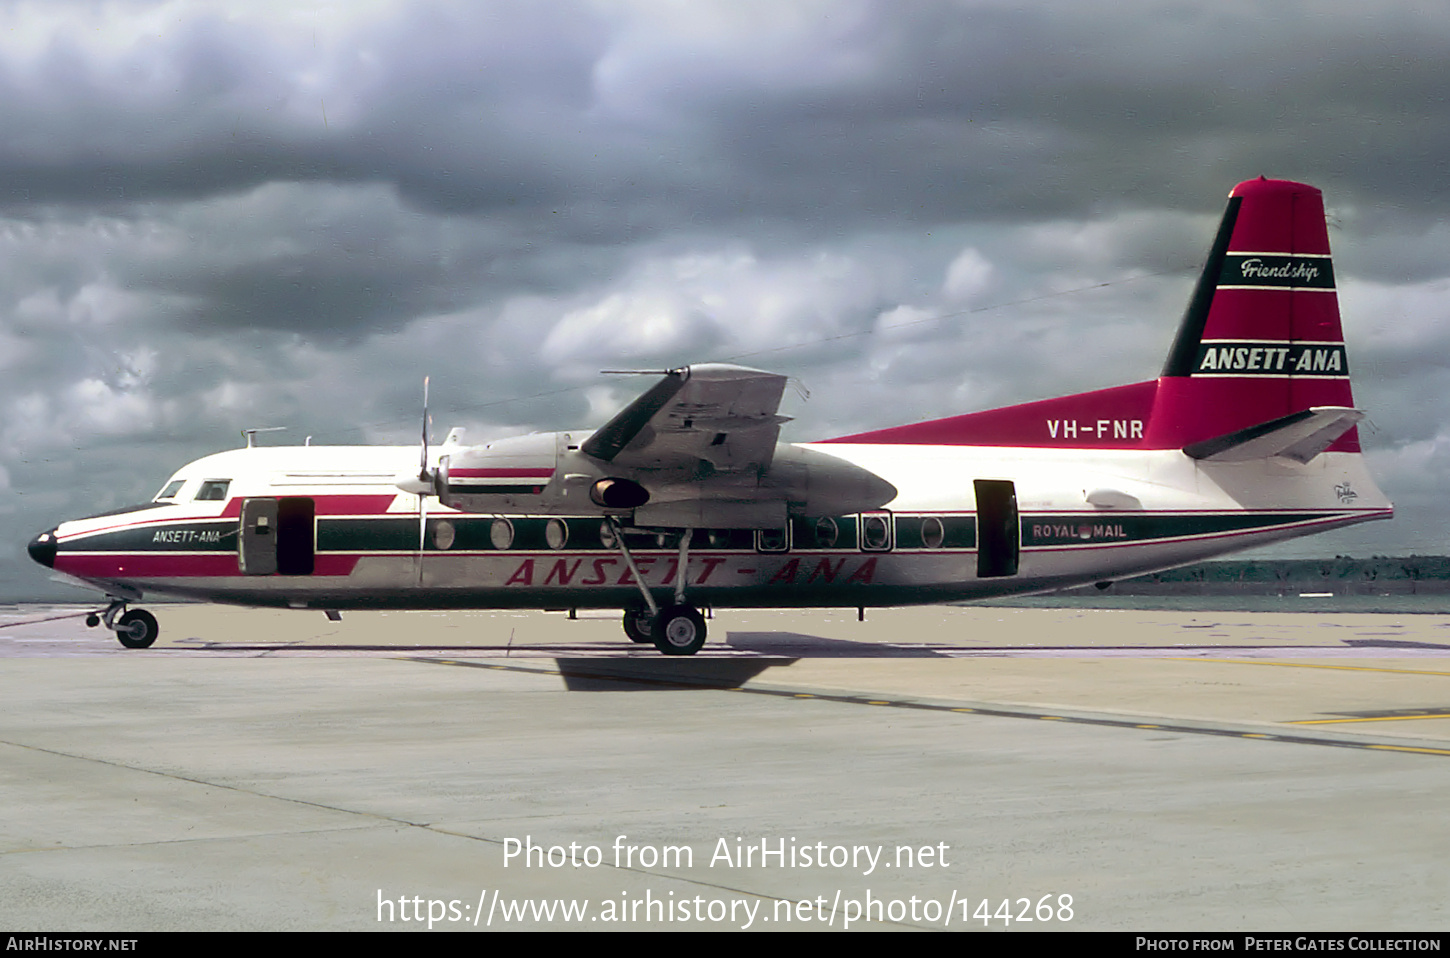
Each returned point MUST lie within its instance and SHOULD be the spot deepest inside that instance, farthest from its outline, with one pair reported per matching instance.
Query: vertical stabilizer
(1261, 338)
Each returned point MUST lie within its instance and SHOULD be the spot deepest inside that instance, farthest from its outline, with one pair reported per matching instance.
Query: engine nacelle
(510, 475)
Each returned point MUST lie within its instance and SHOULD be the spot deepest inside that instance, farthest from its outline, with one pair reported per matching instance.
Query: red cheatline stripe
(329, 505)
(154, 566)
(500, 473)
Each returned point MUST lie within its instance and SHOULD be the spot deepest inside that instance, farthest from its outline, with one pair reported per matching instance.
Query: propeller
(425, 477)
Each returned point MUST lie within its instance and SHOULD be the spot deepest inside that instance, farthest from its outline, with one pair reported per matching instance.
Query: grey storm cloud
(623, 119)
(220, 215)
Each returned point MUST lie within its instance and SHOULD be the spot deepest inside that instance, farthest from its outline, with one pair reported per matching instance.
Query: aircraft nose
(42, 549)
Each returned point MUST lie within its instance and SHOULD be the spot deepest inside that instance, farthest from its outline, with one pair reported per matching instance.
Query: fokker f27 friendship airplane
(686, 499)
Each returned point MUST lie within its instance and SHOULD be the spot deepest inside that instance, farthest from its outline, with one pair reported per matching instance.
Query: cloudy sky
(221, 215)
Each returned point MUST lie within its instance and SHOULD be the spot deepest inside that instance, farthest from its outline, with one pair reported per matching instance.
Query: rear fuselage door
(999, 532)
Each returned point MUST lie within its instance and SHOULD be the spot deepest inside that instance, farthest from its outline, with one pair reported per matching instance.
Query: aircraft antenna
(251, 434)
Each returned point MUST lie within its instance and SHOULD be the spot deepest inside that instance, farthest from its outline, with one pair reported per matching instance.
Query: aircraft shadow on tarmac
(643, 675)
(775, 648)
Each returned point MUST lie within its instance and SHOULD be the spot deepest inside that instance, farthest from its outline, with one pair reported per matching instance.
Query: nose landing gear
(136, 629)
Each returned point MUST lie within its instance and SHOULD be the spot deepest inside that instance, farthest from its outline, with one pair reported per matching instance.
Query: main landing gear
(677, 629)
(136, 629)
(639, 625)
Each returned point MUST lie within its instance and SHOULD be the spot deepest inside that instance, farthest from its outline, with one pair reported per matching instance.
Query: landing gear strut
(677, 629)
(136, 629)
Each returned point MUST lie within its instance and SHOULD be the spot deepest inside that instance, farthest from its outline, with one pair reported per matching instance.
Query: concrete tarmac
(956, 768)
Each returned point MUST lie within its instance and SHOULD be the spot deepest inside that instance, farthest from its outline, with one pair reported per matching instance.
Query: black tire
(679, 630)
(637, 625)
(137, 629)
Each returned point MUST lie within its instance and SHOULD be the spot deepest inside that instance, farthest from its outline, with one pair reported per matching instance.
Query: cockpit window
(213, 490)
(172, 488)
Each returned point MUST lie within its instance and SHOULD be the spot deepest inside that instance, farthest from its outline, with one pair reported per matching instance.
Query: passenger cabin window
(172, 488)
(213, 490)
(876, 533)
(933, 533)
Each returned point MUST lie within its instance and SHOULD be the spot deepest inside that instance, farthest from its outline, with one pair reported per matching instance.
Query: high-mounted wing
(722, 414)
(699, 449)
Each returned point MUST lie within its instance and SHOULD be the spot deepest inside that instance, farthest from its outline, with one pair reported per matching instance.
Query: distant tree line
(1343, 575)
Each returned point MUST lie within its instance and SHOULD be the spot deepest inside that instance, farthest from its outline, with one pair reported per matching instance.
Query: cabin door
(278, 536)
(999, 533)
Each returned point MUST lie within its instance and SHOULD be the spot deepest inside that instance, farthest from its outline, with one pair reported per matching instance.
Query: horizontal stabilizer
(1299, 436)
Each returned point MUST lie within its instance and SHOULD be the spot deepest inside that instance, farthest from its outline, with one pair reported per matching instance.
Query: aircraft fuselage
(950, 534)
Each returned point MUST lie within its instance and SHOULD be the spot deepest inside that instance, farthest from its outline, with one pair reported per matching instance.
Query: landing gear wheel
(637, 625)
(137, 629)
(679, 630)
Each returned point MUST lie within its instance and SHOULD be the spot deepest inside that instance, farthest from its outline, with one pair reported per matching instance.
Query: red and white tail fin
(1261, 338)
(1259, 342)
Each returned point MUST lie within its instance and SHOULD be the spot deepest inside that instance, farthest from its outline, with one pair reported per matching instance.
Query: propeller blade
(423, 476)
(423, 462)
(422, 533)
